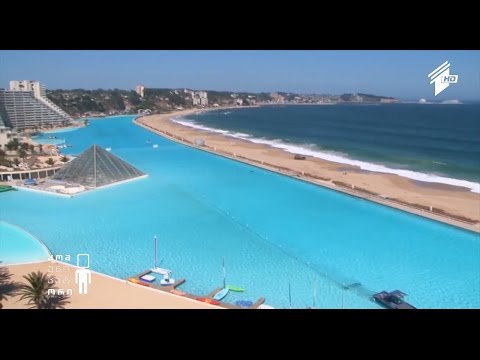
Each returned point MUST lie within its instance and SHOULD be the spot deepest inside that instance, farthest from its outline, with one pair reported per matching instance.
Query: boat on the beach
(392, 300)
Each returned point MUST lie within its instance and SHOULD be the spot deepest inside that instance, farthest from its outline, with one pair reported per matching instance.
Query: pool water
(273, 232)
(18, 246)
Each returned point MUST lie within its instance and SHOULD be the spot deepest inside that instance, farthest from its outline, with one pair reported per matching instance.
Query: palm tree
(50, 161)
(36, 289)
(22, 153)
(7, 286)
(64, 159)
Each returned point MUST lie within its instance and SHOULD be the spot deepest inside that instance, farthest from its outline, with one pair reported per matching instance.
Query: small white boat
(162, 271)
(167, 281)
(221, 294)
(148, 278)
(155, 146)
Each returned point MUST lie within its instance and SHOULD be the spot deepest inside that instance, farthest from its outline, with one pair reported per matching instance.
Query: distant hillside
(368, 98)
(80, 102)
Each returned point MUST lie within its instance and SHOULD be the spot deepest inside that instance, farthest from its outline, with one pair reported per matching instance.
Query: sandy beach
(104, 292)
(451, 204)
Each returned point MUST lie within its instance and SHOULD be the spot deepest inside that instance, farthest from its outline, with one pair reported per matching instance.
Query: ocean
(427, 142)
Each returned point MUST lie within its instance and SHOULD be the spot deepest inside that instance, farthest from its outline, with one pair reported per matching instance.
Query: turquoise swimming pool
(18, 246)
(271, 230)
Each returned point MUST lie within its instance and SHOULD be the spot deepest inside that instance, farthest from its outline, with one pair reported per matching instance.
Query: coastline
(450, 204)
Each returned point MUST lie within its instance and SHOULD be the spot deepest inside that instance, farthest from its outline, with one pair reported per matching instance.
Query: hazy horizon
(399, 74)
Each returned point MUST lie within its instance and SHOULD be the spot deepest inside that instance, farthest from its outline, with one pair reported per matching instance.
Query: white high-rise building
(140, 90)
(28, 85)
(25, 105)
(200, 98)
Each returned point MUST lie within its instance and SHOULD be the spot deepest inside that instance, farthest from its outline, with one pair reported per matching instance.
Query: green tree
(50, 161)
(22, 153)
(5, 162)
(64, 159)
(12, 144)
(35, 291)
(32, 148)
(117, 101)
(2, 153)
(7, 286)
(25, 146)
(16, 162)
(134, 98)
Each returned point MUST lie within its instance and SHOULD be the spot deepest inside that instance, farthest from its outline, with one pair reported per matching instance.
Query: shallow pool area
(19, 247)
(273, 232)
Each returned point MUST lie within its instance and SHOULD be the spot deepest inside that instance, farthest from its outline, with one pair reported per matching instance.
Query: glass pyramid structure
(96, 167)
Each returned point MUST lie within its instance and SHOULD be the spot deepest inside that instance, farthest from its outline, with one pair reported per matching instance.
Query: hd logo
(441, 77)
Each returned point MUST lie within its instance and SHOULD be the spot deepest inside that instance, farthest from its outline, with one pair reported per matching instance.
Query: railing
(53, 106)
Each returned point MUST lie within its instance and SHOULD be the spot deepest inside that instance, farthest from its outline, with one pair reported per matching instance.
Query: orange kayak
(136, 281)
(178, 292)
(208, 300)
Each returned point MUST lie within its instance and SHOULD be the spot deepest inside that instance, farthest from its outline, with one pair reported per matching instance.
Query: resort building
(277, 98)
(140, 90)
(28, 85)
(3, 132)
(356, 98)
(96, 167)
(200, 98)
(25, 105)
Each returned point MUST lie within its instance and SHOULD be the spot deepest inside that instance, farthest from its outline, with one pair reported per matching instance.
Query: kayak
(178, 292)
(136, 281)
(235, 288)
(244, 303)
(208, 300)
(221, 294)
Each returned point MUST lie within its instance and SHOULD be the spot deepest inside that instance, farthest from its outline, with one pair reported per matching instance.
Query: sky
(401, 74)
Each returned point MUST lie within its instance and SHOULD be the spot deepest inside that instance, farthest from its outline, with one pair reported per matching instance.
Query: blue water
(270, 229)
(18, 246)
(63, 130)
(436, 143)
(46, 136)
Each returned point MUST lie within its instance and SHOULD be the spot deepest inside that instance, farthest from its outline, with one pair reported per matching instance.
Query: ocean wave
(314, 151)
